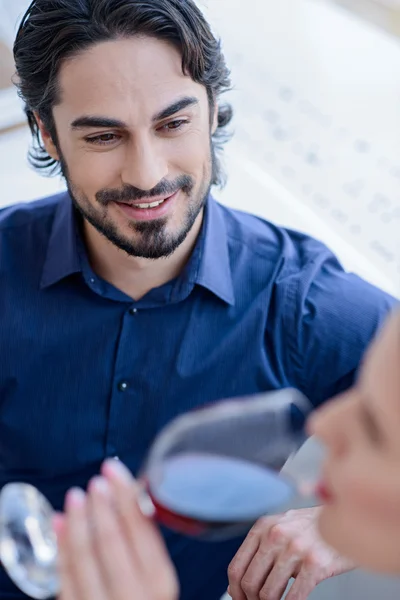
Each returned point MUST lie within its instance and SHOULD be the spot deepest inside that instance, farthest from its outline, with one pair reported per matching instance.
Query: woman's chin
(325, 523)
(331, 529)
(350, 539)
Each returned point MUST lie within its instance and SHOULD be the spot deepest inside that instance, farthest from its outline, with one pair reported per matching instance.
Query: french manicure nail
(115, 468)
(75, 498)
(100, 485)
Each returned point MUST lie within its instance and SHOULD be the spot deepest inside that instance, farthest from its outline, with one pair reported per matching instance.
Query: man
(135, 297)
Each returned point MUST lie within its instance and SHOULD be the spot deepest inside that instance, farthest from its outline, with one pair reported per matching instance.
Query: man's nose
(145, 166)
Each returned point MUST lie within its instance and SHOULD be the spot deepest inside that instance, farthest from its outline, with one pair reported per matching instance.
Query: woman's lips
(323, 493)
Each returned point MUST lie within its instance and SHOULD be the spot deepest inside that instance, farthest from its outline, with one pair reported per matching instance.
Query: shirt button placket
(121, 398)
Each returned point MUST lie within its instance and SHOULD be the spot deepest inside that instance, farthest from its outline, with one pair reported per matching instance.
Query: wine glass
(210, 473)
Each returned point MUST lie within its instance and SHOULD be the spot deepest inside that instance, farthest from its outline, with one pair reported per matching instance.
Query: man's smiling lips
(154, 208)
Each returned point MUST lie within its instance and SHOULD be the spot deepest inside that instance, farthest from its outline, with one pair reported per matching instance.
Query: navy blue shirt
(87, 373)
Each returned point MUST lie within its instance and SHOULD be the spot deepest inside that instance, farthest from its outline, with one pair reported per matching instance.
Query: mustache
(129, 193)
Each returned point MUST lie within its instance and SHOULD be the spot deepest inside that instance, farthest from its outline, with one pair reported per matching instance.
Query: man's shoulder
(264, 240)
(321, 318)
(29, 214)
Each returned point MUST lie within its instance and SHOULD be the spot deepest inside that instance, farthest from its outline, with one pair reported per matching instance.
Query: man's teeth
(151, 205)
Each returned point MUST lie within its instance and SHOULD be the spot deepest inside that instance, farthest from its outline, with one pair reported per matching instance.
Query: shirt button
(123, 386)
(133, 311)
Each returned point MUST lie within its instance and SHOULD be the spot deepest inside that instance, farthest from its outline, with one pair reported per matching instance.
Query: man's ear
(215, 120)
(47, 139)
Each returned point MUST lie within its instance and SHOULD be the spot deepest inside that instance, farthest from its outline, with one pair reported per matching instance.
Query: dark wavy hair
(53, 31)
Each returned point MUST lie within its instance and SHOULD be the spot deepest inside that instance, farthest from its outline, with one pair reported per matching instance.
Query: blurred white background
(316, 145)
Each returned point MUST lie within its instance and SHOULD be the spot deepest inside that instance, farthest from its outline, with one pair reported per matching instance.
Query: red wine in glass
(214, 497)
(212, 473)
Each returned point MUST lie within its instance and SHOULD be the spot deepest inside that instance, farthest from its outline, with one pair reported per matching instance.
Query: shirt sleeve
(329, 318)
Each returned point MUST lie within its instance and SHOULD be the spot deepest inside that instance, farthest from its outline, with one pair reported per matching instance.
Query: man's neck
(132, 275)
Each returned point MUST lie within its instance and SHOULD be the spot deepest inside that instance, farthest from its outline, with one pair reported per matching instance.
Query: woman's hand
(108, 549)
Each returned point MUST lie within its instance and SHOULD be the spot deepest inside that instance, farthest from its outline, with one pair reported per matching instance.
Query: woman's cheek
(368, 488)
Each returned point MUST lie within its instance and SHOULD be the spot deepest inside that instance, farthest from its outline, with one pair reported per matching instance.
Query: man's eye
(102, 140)
(174, 125)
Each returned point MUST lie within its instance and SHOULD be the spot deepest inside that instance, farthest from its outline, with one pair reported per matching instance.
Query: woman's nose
(330, 424)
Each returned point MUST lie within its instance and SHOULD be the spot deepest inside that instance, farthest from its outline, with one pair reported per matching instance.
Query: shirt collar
(213, 273)
(62, 258)
(215, 269)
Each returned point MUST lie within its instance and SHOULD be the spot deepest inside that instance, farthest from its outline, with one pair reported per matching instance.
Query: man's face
(134, 141)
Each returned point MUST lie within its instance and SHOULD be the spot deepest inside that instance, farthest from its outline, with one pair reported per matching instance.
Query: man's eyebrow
(175, 107)
(88, 121)
(92, 121)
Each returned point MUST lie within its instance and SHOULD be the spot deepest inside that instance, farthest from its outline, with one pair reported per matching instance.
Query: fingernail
(115, 468)
(100, 485)
(146, 505)
(75, 498)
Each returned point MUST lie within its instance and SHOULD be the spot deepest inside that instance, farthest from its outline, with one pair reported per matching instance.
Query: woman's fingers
(68, 592)
(108, 549)
(121, 571)
(81, 578)
(146, 544)
(143, 535)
